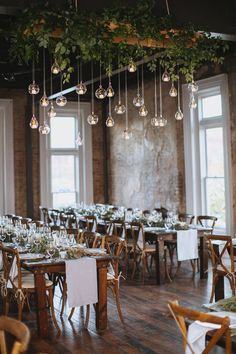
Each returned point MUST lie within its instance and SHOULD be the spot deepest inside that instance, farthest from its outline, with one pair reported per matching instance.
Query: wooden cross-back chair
(45, 215)
(21, 285)
(92, 239)
(55, 216)
(207, 221)
(180, 315)
(114, 246)
(222, 259)
(18, 330)
(185, 217)
(71, 220)
(118, 228)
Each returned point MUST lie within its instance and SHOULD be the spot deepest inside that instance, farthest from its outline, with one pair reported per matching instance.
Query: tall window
(207, 152)
(66, 169)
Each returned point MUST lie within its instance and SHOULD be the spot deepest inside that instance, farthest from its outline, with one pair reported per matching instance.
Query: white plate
(26, 256)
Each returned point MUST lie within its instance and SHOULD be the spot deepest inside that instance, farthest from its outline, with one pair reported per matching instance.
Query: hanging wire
(178, 86)
(92, 87)
(78, 97)
(109, 106)
(160, 89)
(138, 80)
(100, 73)
(33, 69)
(51, 88)
(142, 83)
(76, 5)
(167, 8)
(33, 108)
(44, 75)
(126, 102)
(61, 82)
(80, 75)
(155, 92)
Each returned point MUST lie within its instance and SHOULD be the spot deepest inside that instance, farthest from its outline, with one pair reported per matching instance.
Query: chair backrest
(163, 211)
(114, 246)
(92, 239)
(16, 219)
(118, 228)
(188, 218)
(63, 219)
(136, 233)
(57, 228)
(75, 232)
(11, 267)
(146, 212)
(17, 329)
(54, 216)
(71, 220)
(45, 215)
(180, 315)
(207, 220)
(91, 223)
(222, 253)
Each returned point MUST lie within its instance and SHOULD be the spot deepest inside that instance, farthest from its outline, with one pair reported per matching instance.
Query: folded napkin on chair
(81, 278)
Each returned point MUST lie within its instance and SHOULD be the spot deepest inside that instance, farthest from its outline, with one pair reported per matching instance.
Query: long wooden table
(39, 269)
(161, 236)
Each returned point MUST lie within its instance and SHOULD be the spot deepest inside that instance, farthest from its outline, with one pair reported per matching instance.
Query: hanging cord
(119, 100)
(76, 5)
(78, 96)
(142, 84)
(33, 70)
(138, 80)
(167, 8)
(92, 85)
(51, 88)
(100, 73)
(61, 82)
(155, 92)
(44, 75)
(80, 71)
(178, 89)
(126, 102)
(160, 90)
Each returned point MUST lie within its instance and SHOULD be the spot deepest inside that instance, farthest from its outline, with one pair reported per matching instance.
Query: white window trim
(7, 183)
(191, 133)
(86, 162)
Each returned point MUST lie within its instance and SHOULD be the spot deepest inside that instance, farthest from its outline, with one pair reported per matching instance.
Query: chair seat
(28, 282)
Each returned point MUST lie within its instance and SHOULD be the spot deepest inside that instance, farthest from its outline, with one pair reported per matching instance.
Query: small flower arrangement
(181, 226)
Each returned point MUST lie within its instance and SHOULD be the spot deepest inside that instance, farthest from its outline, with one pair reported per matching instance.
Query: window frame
(84, 169)
(193, 127)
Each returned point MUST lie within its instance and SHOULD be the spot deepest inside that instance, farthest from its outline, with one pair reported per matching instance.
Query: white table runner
(81, 278)
(187, 246)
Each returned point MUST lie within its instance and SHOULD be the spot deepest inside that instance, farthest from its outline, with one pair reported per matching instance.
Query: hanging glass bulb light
(92, 118)
(100, 93)
(61, 100)
(34, 122)
(110, 91)
(132, 67)
(81, 88)
(143, 112)
(110, 121)
(179, 114)
(161, 121)
(51, 111)
(44, 101)
(173, 92)
(165, 76)
(127, 133)
(192, 86)
(119, 108)
(138, 100)
(154, 121)
(33, 88)
(78, 140)
(55, 68)
(192, 103)
(44, 129)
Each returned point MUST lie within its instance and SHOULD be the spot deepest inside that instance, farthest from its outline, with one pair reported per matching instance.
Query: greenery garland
(88, 37)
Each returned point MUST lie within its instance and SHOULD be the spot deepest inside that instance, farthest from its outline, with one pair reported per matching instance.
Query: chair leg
(214, 281)
(166, 267)
(64, 295)
(71, 313)
(19, 305)
(87, 316)
(117, 298)
(51, 305)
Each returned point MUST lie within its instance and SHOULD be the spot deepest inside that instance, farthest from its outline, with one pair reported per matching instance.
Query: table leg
(41, 304)
(203, 258)
(101, 306)
(160, 266)
(220, 289)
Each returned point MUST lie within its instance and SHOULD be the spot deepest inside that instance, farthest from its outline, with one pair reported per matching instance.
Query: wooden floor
(148, 326)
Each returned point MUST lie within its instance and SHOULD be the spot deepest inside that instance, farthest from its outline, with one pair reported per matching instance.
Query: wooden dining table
(159, 237)
(40, 268)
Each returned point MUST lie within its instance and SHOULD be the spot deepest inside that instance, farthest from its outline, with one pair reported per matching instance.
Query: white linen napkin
(81, 278)
(187, 246)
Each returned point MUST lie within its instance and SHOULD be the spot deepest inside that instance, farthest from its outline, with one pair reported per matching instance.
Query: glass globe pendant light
(100, 93)
(61, 100)
(44, 129)
(92, 118)
(179, 114)
(55, 68)
(81, 88)
(192, 103)
(165, 76)
(33, 88)
(127, 133)
(110, 121)
(138, 100)
(44, 101)
(193, 86)
(143, 112)
(173, 92)
(110, 91)
(132, 67)
(33, 122)
(119, 108)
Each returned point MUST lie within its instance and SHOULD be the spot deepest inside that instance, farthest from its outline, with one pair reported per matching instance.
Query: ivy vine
(68, 35)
